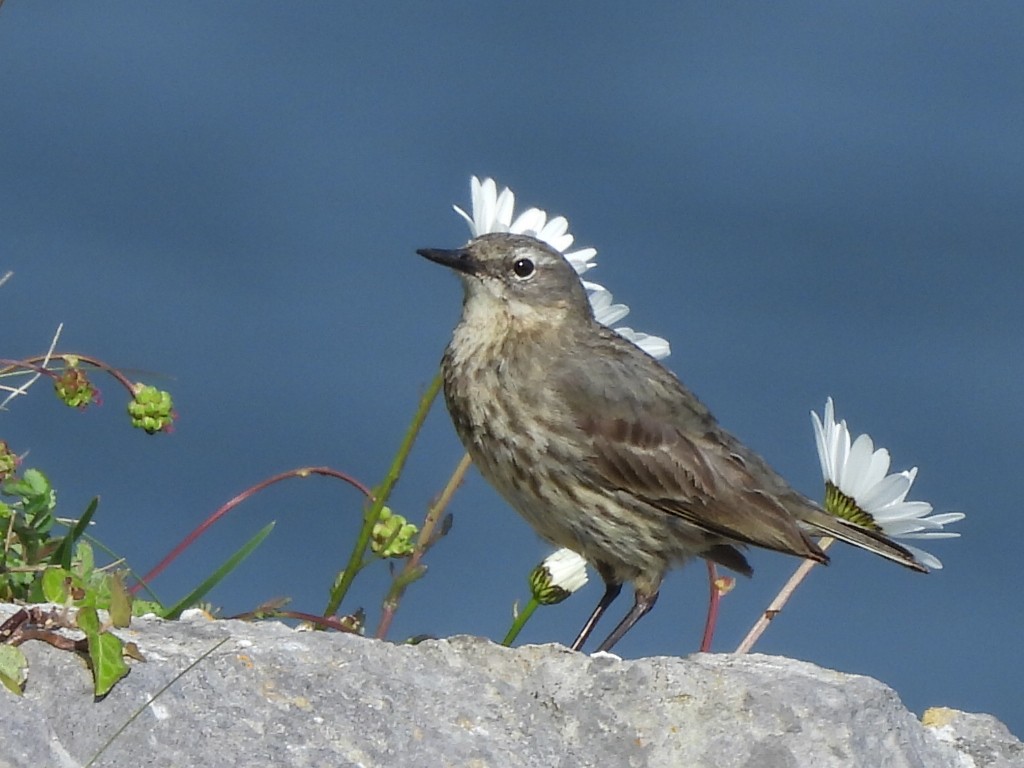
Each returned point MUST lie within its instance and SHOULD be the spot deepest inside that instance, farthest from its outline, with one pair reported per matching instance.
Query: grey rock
(272, 696)
(981, 739)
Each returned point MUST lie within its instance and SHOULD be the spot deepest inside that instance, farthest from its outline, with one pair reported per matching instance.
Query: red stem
(223, 510)
(713, 601)
(31, 364)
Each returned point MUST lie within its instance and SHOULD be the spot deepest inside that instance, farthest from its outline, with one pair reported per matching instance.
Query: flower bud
(152, 409)
(393, 535)
(561, 574)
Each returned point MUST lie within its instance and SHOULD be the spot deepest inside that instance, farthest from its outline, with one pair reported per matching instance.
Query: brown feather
(663, 468)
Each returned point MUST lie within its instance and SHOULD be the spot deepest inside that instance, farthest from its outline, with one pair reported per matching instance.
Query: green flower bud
(74, 388)
(393, 535)
(152, 409)
(8, 461)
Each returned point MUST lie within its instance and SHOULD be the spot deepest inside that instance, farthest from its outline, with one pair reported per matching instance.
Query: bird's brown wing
(653, 439)
(645, 435)
(661, 467)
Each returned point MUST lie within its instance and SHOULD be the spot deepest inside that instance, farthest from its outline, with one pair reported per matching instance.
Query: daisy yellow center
(841, 505)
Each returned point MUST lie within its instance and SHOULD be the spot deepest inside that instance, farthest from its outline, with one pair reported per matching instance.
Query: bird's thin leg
(642, 603)
(611, 591)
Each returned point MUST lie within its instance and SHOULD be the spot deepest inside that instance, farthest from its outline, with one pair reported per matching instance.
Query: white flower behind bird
(492, 211)
(858, 488)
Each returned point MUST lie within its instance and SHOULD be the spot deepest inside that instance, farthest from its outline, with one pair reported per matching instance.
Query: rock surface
(271, 696)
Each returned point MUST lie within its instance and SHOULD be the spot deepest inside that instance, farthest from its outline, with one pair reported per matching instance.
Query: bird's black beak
(458, 259)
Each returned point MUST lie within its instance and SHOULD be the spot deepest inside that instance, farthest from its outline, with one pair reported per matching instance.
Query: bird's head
(515, 276)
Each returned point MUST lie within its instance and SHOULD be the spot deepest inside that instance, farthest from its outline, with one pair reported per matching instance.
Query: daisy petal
(903, 510)
(655, 346)
(824, 452)
(948, 517)
(582, 260)
(891, 489)
(927, 559)
(529, 222)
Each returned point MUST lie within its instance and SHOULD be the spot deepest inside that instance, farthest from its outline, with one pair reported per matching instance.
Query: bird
(601, 448)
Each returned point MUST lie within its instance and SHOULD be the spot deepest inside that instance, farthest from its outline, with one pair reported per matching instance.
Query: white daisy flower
(562, 573)
(858, 489)
(493, 211)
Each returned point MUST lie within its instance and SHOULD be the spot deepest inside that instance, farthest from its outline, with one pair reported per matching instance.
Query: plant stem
(781, 599)
(15, 391)
(423, 543)
(225, 508)
(38, 364)
(713, 601)
(380, 497)
(520, 622)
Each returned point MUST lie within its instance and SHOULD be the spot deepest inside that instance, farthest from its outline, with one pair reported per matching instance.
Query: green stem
(423, 543)
(520, 622)
(380, 497)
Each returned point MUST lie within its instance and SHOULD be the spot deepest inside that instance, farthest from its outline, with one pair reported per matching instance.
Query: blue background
(805, 199)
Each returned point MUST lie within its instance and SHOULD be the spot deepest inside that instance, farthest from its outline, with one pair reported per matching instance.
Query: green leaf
(37, 498)
(37, 481)
(10, 684)
(84, 562)
(88, 621)
(106, 651)
(55, 585)
(13, 668)
(35, 592)
(120, 601)
(62, 555)
(17, 486)
(142, 607)
(210, 582)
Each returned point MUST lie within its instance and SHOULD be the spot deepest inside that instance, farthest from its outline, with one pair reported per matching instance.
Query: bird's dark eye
(523, 268)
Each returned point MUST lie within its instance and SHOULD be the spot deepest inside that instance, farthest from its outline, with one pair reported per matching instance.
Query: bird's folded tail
(825, 524)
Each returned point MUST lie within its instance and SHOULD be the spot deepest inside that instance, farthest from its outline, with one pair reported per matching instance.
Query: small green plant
(40, 562)
(48, 559)
(26, 514)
